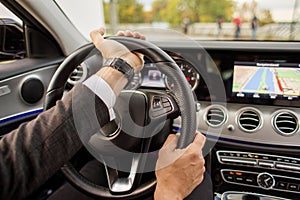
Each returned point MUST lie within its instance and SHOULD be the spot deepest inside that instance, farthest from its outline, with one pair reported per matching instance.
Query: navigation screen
(266, 80)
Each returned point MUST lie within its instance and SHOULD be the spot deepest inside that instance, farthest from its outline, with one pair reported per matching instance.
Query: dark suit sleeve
(37, 149)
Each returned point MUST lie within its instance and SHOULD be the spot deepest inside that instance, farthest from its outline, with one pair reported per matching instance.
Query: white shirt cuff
(103, 91)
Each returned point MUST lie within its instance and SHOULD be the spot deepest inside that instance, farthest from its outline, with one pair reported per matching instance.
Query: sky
(282, 10)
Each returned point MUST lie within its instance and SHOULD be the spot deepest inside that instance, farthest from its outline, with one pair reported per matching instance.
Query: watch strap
(120, 65)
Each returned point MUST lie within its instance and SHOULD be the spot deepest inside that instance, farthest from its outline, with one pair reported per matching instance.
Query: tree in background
(174, 11)
(129, 11)
(250, 8)
(265, 17)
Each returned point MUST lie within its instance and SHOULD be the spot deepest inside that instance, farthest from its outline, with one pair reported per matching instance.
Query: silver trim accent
(288, 112)
(123, 184)
(217, 107)
(242, 161)
(76, 73)
(266, 164)
(270, 177)
(250, 109)
(288, 167)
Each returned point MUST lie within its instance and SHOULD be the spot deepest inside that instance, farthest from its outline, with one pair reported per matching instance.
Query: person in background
(185, 25)
(254, 26)
(237, 22)
(220, 21)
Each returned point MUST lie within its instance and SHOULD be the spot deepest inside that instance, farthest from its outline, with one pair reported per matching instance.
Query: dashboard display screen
(152, 77)
(266, 80)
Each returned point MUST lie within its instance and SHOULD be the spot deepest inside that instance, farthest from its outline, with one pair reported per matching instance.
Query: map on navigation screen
(272, 79)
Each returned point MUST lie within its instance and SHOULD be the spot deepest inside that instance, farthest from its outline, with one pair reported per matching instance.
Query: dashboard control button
(293, 187)
(295, 162)
(265, 157)
(250, 181)
(266, 164)
(229, 178)
(239, 161)
(288, 167)
(282, 185)
(240, 179)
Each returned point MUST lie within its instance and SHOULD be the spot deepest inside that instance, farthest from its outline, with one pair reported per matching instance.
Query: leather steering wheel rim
(182, 92)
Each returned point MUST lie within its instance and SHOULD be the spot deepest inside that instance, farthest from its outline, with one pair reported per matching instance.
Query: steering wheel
(156, 105)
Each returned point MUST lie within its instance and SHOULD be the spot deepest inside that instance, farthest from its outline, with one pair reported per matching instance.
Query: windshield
(208, 19)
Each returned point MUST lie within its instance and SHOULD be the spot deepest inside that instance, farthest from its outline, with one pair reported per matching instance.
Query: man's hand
(113, 49)
(179, 171)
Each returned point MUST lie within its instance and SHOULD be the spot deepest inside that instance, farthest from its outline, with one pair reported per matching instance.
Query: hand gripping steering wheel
(157, 106)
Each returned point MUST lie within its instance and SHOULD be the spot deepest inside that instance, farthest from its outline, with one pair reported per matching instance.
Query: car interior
(242, 94)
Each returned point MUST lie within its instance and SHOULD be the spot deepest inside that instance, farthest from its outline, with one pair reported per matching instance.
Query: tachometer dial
(189, 72)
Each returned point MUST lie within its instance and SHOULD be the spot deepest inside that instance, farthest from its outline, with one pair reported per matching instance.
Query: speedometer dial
(189, 72)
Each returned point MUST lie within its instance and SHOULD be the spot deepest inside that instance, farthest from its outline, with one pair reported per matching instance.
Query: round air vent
(78, 75)
(285, 123)
(249, 120)
(216, 116)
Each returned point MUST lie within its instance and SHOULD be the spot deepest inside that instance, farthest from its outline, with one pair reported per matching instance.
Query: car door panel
(23, 85)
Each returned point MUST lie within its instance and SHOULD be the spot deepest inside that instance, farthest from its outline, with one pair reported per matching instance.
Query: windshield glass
(208, 19)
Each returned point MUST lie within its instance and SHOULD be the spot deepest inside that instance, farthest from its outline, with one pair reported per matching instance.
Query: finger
(138, 35)
(199, 140)
(120, 33)
(97, 36)
(128, 33)
(170, 138)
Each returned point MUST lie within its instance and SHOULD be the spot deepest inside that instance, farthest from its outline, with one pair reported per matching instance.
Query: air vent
(78, 75)
(286, 123)
(249, 120)
(216, 116)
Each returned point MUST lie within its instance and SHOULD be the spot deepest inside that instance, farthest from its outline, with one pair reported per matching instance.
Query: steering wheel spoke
(121, 182)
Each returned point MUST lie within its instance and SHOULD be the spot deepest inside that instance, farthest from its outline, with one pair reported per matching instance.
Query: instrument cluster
(151, 77)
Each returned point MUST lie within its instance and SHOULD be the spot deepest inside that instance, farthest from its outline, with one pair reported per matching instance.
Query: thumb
(171, 142)
(97, 36)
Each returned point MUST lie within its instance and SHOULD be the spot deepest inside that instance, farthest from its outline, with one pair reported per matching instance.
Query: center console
(253, 175)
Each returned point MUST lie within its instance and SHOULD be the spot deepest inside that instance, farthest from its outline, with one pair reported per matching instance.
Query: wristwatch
(120, 65)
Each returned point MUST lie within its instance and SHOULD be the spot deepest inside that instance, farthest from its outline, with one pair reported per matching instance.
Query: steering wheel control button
(161, 106)
(265, 180)
(157, 103)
